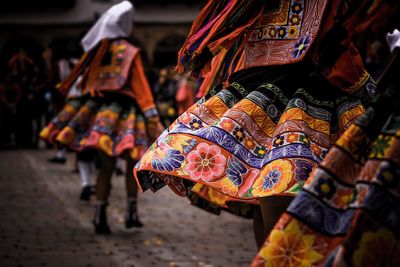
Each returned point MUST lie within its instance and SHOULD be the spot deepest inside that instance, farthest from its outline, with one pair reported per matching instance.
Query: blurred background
(40, 43)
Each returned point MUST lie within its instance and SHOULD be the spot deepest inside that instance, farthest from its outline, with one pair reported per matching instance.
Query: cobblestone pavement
(42, 223)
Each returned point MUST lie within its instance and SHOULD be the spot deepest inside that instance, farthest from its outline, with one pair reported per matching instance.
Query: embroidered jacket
(115, 66)
(294, 29)
(233, 35)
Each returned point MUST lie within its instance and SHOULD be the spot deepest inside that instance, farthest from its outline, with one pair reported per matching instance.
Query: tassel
(221, 29)
(65, 85)
(94, 66)
(208, 13)
(199, 36)
(212, 75)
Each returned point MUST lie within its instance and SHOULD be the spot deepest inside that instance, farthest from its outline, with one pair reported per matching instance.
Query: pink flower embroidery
(205, 162)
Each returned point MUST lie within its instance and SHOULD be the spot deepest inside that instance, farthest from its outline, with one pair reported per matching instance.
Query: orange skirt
(248, 144)
(348, 212)
(109, 124)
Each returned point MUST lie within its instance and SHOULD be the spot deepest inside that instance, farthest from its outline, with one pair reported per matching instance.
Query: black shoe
(132, 216)
(130, 223)
(85, 193)
(57, 160)
(100, 220)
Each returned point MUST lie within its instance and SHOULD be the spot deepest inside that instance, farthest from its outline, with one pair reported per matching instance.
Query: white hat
(115, 22)
(393, 39)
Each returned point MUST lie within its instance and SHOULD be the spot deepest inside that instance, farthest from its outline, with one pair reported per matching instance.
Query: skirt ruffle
(248, 144)
(348, 212)
(108, 124)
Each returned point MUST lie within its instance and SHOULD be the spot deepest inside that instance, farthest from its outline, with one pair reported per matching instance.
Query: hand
(154, 128)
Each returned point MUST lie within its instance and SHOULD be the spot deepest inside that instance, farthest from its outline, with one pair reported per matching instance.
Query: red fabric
(184, 97)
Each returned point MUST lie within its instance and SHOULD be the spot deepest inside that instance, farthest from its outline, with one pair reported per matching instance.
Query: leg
(271, 209)
(258, 227)
(130, 182)
(132, 215)
(76, 160)
(103, 188)
(85, 161)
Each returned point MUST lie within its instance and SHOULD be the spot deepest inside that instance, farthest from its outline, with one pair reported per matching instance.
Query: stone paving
(43, 223)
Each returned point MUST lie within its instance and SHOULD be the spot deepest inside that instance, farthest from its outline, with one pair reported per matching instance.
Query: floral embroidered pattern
(275, 178)
(290, 30)
(234, 153)
(205, 162)
(301, 46)
(293, 32)
(170, 160)
(292, 137)
(261, 151)
(348, 209)
(114, 75)
(249, 143)
(295, 19)
(272, 31)
(380, 146)
(196, 124)
(286, 33)
(290, 247)
(371, 253)
(282, 32)
(227, 125)
(325, 187)
(278, 141)
(297, 7)
(239, 134)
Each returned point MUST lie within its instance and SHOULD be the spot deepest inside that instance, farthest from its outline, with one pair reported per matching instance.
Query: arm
(142, 92)
(141, 89)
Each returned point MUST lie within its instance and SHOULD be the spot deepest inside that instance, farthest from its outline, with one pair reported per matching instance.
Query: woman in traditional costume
(116, 113)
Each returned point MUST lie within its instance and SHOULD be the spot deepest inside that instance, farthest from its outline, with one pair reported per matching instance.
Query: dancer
(348, 214)
(294, 82)
(116, 113)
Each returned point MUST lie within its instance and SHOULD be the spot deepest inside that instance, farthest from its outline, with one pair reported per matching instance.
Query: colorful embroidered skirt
(348, 214)
(111, 124)
(248, 143)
